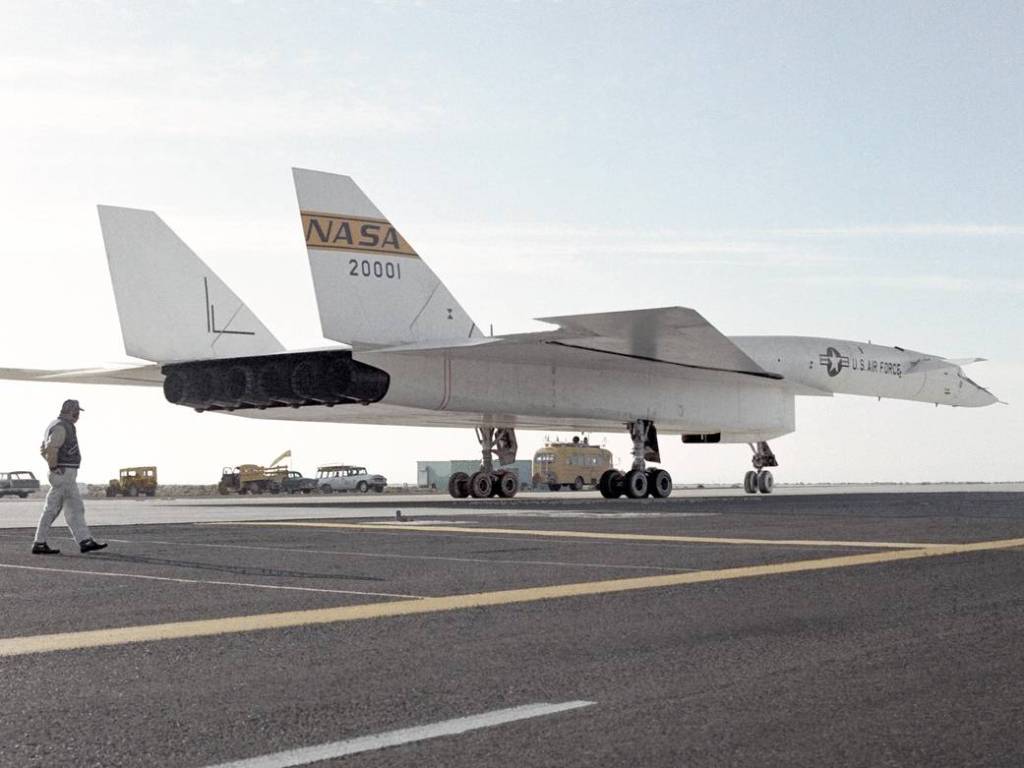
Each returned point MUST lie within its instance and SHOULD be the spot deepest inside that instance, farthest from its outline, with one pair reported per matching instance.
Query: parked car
(343, 477)
(296, 483)
(18, 483)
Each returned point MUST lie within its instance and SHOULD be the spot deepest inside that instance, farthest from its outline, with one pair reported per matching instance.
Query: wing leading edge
(672, 335)
(135, 376)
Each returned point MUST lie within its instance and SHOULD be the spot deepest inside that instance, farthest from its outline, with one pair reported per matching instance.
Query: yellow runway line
(592, 535)
(20, 646)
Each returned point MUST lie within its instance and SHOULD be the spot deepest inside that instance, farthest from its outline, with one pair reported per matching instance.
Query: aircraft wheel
(577, 484)
(480, 485)
(635, 484)
(660, 484)
(603, 485)
(616, 484)
(508, 485)
(458, 485)
(750, 482)
(765, 481)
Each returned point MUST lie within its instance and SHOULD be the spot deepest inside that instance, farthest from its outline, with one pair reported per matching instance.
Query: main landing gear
(640, 481)
(759, 478)
(488, 481)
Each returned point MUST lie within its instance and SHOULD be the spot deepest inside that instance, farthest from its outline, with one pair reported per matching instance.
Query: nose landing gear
(759, 479)
(639, 482)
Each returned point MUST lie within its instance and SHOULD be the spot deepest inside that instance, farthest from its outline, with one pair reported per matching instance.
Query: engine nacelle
(274, 381)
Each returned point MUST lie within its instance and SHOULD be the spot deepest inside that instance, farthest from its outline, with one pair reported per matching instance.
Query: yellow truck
(133, 481)
(252, 478)
(570, 465)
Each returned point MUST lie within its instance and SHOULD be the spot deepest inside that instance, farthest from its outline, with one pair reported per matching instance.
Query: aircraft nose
(973, 395)
(987, 398)
(979, 397)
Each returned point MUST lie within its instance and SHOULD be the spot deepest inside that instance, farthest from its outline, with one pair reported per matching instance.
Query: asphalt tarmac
(853, 629)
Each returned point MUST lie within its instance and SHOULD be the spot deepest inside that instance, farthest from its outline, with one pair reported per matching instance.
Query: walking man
(60, 449)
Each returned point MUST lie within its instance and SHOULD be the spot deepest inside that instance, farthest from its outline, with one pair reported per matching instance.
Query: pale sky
(835, 169)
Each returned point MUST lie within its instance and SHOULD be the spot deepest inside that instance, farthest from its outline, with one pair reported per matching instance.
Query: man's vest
(68, 455)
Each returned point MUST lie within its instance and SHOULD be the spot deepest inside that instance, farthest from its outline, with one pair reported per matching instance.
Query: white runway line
(307, 755)
(392, 556)
(114, 574)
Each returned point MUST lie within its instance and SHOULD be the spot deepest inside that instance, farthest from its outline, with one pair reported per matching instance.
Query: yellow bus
(570, 465)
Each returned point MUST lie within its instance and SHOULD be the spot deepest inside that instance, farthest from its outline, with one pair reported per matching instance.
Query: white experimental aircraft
(416, 358)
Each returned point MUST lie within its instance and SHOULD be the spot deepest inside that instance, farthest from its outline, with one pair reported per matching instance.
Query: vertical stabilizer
(372, 288)
(171, 305)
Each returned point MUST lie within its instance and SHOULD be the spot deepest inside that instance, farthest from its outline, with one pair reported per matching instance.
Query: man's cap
(71, 406)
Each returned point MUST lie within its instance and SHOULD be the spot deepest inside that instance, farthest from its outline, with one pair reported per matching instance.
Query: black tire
(750, 482)
(133, 491)
(480, 485)
(635, 484)
(151, 492)
(458, 485)
(615, 483)
(22, 495)
(362, 486)
(378, 488)
(275, 488)
(258, 488)
(765, 481)
(326, 489)
(554, 486)
(659, 484)
(307, 491)
(577, 484)
(603, 485)
(508, 484)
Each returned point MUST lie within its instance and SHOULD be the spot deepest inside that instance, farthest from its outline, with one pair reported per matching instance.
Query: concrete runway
(556, 630)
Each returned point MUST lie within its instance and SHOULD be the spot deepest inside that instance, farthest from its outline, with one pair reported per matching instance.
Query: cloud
(908, 230)
(917, 283)
(541, 248)
(183, 94)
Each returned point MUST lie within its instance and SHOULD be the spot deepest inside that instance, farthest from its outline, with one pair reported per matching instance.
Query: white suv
(342, 477)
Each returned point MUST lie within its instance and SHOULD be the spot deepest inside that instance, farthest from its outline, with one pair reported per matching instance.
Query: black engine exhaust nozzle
(191, 387)
(275, 382)
(230, 387)
(367, 384)
(311, 380)
(240, 386)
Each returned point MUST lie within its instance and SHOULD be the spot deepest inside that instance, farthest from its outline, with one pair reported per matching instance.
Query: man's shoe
(42, 548)
(91, 545)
